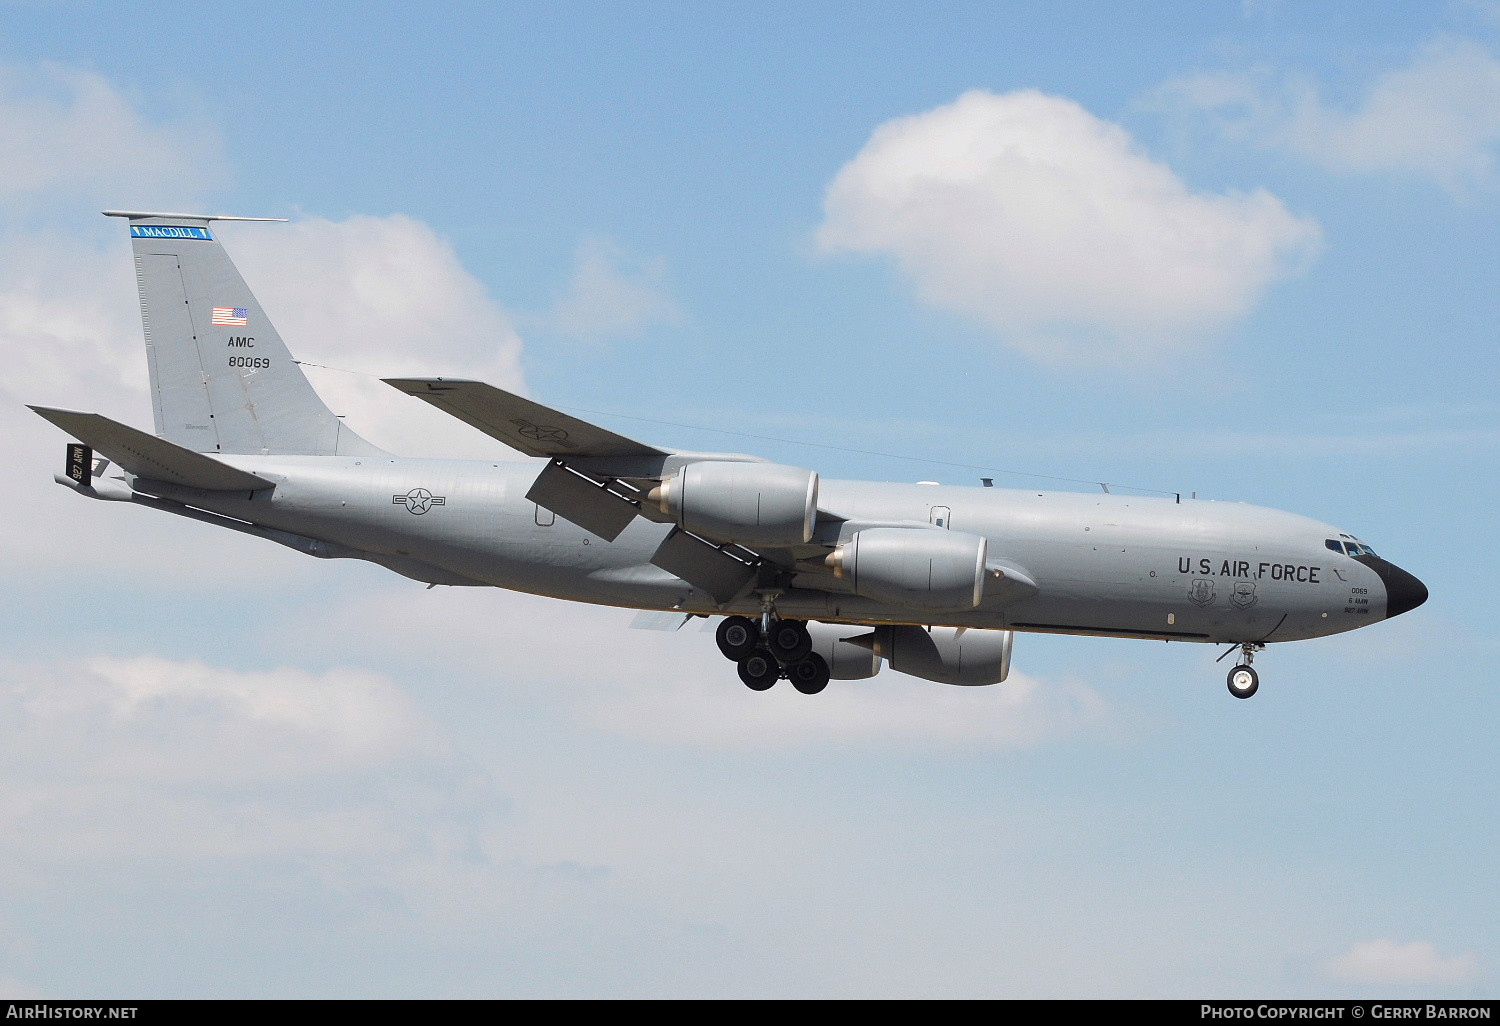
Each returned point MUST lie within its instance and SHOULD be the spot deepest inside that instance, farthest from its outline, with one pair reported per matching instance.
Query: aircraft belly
(471, 519)
(564, 560)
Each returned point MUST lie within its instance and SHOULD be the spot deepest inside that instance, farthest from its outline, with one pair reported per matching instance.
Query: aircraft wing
(150, 457)
(534, 429)
(597, 479)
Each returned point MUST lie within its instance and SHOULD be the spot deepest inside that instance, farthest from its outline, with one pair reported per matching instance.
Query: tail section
(221, 378)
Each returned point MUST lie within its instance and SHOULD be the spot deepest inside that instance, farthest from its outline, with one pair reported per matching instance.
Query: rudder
(222, 380)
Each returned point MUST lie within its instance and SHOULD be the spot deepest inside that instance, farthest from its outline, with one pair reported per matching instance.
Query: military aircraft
(813, 578)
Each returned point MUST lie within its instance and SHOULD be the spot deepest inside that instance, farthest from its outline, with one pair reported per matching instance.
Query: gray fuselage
(1192, 570)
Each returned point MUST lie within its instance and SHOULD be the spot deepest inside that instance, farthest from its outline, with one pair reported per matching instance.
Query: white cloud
(1438, 117)
(1385, 962)
(70, 323)
(170, 722)
(148, 757)
(65, 130)
(611, 296)
(382, 297)
(892, 709)
(1051, 227)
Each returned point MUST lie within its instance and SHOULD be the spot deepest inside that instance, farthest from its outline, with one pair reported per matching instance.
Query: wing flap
(150, 457)
(591, 506)
(532, 428)
(703, 565)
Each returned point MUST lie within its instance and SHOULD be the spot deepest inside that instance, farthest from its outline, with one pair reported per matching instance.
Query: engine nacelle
(764, 504)
(949, 655)
(913, 566)
(845, 662)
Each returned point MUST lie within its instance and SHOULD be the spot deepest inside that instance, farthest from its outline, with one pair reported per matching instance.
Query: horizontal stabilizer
(150, 457)
(138, 215)
(534, 429)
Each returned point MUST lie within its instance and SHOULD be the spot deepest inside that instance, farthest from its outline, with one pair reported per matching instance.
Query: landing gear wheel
(737, 637)
(759, 671)
(810, 675)
(1243, 682)
(789, 640)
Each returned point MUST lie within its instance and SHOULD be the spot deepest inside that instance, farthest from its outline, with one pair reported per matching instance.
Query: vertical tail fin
(221, 378)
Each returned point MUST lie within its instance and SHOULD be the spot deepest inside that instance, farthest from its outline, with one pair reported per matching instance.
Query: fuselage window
(1335, 546)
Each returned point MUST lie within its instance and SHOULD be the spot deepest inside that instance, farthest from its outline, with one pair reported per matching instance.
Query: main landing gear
(767, 651)
(1243, 680)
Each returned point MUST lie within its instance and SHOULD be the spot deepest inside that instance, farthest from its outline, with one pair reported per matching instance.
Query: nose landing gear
(1243, 680)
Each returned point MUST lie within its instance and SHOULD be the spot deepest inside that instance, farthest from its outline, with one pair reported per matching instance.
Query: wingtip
(47, 412)
(416, 385)
(408, 384)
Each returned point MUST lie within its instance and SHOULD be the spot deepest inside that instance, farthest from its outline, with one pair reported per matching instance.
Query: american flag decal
(231, 316)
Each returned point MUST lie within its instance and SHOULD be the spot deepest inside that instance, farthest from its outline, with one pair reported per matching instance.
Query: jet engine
(756, 504)
(966, 656)
(845, 662)
(910, 566)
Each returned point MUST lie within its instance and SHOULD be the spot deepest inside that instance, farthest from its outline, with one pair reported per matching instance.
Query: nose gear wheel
(1243, 680)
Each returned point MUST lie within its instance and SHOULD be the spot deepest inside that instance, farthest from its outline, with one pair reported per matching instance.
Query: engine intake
(763, 504)
(913, 566)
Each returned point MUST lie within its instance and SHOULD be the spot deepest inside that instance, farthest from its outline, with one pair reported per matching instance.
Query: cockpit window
(1351, 545)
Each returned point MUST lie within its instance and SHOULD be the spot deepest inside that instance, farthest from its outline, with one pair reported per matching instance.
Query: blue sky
(1243, 249)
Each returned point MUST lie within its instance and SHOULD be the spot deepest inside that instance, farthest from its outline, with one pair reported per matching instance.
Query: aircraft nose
(1403, 592)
